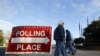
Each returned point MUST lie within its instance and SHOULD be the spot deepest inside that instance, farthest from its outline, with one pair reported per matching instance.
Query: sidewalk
(87, 53)
(78, 53)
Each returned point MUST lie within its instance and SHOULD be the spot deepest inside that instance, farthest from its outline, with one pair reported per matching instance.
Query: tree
(92, 33)
(1, 37)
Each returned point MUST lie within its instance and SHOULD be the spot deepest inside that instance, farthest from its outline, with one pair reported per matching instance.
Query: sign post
(30, 39)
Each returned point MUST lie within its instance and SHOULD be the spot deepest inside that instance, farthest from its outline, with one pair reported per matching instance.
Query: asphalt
(78, 53)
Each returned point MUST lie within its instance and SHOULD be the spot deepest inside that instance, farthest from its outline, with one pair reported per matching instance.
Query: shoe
(74, 53)
(68, 52)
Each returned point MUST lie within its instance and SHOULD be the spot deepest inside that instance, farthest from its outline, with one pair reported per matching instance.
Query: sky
(49, 13)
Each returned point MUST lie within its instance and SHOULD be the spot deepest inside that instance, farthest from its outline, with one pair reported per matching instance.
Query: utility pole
(79, 30)
(87, 21)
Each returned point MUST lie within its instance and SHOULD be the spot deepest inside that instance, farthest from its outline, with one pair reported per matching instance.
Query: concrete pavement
(87, 53)
(78, 53)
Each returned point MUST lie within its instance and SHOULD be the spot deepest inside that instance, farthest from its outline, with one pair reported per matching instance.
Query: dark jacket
(59, 33)
(68, 36)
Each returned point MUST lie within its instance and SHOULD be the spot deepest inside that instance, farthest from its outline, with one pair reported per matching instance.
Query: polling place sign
(30, 39)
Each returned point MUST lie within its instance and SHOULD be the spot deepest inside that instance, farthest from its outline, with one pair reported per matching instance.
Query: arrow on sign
(30, 40)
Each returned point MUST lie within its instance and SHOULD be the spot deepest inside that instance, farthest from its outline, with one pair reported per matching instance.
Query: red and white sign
(30, 39)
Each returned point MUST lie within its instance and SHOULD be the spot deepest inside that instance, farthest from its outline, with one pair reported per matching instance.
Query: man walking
(69, 43)
(59, 36)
